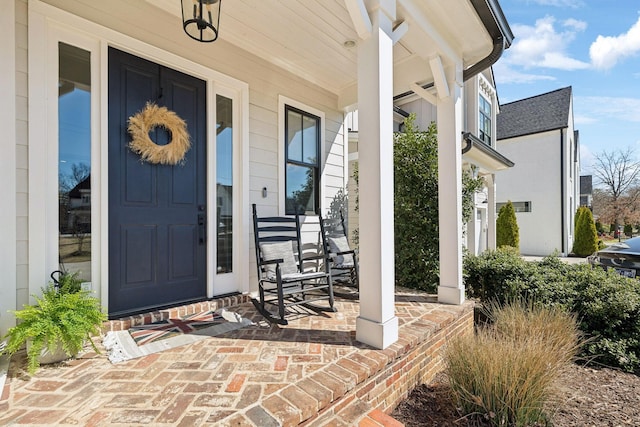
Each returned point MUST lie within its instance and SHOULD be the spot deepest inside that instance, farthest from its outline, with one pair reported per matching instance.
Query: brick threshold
(125, 323)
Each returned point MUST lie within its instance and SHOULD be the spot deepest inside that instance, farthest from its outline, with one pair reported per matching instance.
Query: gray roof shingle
(540, 113)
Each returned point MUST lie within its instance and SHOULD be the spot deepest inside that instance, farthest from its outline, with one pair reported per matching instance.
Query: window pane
(301, 189)
(309, 140)
(294, 136)
(74, 160)
(224, 184)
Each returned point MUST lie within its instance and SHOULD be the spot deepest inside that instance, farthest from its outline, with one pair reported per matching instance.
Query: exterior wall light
(201, 19)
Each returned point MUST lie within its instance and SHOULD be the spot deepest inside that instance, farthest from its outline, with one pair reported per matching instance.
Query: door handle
(202, 228)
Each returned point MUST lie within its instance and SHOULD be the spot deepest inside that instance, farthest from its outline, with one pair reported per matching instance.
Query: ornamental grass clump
(507, 373)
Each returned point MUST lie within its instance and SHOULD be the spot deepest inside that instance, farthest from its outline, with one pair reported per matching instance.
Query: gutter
(495, 22)
(473, 141)
(493, 19)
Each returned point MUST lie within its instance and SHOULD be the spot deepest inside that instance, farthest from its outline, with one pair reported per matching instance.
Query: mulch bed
(591, 397)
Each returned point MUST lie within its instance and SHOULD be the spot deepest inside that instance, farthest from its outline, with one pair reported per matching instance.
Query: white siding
(535, 178)
(266, 83)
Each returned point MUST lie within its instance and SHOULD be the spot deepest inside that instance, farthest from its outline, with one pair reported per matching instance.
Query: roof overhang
(480, 154)
(315, 40)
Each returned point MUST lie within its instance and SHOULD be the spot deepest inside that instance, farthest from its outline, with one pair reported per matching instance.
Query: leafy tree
(507, 231)
(416, 206)
(586, 236)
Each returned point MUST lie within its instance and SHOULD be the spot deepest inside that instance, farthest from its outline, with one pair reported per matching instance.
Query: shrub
(599, 227)
(416, 207)
(607, 304)
(507, 232)
(628, 230)
(586, 236)
(495, 275)
(506, 373)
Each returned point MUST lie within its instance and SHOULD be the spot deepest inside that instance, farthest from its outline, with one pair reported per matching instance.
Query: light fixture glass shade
(201, 19)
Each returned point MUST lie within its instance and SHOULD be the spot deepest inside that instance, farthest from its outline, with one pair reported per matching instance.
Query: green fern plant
(65, 319)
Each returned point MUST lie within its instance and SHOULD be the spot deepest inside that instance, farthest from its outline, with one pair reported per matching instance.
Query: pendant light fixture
(201, 19)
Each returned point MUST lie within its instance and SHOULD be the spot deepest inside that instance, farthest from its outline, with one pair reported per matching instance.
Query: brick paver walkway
(262, 375)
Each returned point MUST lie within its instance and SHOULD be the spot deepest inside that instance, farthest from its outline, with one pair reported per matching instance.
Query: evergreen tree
(586, 236)
(507, 231)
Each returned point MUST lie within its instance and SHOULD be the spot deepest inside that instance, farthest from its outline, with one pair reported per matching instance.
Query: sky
(592, 46)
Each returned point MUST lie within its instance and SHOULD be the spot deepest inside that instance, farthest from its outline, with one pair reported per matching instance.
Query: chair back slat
(277, 229)
(287, 229)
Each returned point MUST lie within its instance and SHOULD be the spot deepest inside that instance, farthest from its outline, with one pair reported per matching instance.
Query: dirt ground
(590, 397)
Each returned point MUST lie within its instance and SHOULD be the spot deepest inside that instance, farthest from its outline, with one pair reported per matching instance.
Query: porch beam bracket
(359, 17)
(424, 93)
(399, 31)
(422, 21)
(439, 77)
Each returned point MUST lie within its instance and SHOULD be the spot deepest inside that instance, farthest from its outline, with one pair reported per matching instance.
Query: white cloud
(575, 24)
(505, 74)
(544, 46)
(559, 3)
(606, 51)
(607, 108)
(579, 119)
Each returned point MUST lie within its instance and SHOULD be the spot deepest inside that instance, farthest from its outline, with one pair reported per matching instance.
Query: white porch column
(8, 165)
(451, 289)
(377, 324)
(491, 211)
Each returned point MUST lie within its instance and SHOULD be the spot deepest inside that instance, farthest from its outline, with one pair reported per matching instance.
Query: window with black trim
(484, 117)
(517, 206)
(302, 153)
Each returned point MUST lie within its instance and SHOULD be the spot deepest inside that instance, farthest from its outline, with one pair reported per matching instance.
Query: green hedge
(607, 304)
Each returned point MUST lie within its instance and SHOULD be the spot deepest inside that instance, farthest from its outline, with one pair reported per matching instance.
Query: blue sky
(591, 45)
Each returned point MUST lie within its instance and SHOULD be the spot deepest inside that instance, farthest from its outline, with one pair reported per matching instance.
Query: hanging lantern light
(201, 19)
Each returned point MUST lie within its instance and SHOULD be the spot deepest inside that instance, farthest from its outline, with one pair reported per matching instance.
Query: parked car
(624, 257)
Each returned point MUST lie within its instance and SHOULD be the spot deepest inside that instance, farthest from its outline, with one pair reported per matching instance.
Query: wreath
(150, 117)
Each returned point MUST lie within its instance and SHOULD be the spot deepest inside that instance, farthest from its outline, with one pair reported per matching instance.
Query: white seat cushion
(340, 244)
(279, 250)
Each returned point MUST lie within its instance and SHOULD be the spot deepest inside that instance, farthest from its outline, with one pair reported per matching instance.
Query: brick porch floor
(311, 372)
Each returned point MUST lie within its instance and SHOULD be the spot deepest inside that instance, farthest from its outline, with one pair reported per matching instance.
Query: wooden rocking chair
(282, 280)
(343, 261)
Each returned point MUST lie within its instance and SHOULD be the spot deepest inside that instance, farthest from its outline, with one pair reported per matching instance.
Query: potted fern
(63, 318)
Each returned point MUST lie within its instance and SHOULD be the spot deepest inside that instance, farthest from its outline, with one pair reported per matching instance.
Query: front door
(157, 213)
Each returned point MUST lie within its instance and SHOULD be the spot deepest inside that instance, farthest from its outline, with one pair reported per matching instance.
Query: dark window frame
(518, 207)
(483, 119)
(315, 166)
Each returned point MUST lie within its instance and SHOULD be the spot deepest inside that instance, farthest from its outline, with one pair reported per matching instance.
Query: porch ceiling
(307, 37)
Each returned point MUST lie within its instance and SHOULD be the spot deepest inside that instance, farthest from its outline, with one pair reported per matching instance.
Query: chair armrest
(272, 261)
(319, 256)
(350, 251)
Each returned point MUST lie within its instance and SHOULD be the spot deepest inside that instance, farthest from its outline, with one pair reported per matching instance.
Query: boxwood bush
(606, 304)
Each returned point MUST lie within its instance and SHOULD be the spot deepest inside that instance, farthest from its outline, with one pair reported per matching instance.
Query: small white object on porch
(377, 324)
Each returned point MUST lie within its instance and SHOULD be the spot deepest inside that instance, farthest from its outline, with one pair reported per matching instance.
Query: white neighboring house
(265, 106)
(538, 134)
(479, 154)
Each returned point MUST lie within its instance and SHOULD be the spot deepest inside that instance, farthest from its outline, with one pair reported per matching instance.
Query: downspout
(562, 209)
(488, 61)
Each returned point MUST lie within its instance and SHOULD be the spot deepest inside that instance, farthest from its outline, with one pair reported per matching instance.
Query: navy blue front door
(157, 213)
